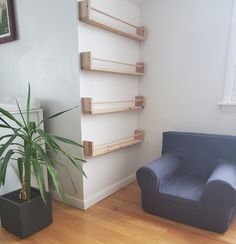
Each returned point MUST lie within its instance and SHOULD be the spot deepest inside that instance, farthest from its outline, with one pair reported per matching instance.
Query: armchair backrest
(200, 152)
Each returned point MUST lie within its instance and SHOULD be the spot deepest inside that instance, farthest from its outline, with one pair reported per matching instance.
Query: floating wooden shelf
(86, 61)
(85, 10)
(88, 105)
(92, 151)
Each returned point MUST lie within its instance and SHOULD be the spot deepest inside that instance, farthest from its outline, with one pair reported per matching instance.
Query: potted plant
(27, 210)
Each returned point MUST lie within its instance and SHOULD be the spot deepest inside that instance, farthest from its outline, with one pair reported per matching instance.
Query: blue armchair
(194, 182)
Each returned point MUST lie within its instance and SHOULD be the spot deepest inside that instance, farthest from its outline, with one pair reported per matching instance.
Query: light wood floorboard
(118, 219)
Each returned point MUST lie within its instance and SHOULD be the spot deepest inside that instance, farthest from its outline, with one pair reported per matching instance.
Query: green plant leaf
(4, 166)
(5, 126)
(40, 178)
(17, 144)
(16, 132)
(7, 144)
(1, 165)
(68, 173)
(4, 121)
(10, 116)
(28, 104)
(5, 136)
(76, 164)
(23, 119)
(22, 153)
(24, 136)
(32, 126)
(56, 180)
(56, 115)
(67, 141)
(52, 171)
(47, 139)
(30, 129)
(81, 160)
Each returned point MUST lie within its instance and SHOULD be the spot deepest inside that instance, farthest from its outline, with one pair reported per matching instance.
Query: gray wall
(46, 56)
(185, 54)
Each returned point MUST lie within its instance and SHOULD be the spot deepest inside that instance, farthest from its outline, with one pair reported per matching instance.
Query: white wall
(109, 172)
(185, 55)
(46, 56)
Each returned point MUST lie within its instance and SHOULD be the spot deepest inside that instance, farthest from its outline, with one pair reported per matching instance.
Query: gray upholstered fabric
(194, 182)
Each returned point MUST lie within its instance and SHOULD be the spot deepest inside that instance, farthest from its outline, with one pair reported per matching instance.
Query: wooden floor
(118, 219)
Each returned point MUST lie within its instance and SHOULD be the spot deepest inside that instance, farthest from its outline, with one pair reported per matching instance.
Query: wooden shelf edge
(113, 71)
(93, 151)
(115, 147)
(85, 16)
(115, 110)
(86, 63)
(93, 22)
(88, 106)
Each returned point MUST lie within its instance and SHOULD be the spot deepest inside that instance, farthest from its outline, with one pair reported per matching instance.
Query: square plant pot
(25, 218)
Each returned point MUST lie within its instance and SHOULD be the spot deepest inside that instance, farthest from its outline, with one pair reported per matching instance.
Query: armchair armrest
(149, 176)
(219, 197)
(220, 189)
(225, 173)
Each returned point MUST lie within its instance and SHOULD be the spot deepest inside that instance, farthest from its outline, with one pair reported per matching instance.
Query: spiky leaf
(52, 171)
(67, 141)
(4, 166)
(40, 178)
(10, 116)
(7, 144)
(56, 115)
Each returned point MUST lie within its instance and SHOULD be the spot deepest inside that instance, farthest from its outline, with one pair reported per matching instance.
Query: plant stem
(23, 194)
(28, 178)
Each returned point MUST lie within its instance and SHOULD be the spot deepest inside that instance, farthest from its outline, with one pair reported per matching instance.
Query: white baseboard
(87, 203)
(108, 191)
(72, 201)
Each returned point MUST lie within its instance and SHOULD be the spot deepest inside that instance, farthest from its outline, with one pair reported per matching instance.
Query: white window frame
(230, 70)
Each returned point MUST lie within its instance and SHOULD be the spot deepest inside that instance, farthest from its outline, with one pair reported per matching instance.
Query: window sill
(227, 106)
(227, 103)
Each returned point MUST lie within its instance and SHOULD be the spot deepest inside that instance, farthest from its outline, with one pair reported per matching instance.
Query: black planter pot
(25, 218)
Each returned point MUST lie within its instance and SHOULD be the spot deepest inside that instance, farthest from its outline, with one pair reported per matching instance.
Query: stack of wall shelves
(98, 64)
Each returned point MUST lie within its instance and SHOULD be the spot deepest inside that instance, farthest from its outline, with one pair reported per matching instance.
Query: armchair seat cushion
(186, 188)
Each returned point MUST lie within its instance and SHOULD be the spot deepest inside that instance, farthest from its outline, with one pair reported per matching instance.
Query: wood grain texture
(85, 16)
(92, 151)
(86, 64)
(118, 219)
(106, 70)
(88, 106)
